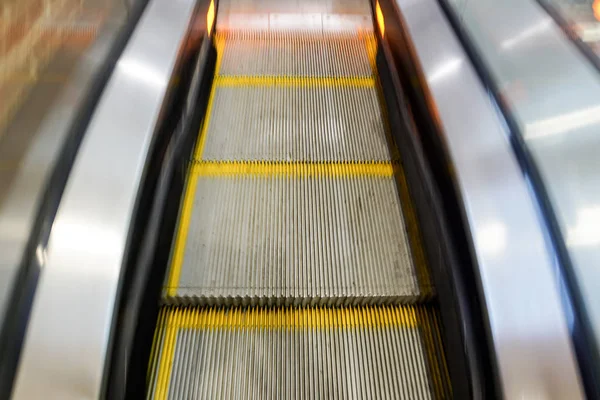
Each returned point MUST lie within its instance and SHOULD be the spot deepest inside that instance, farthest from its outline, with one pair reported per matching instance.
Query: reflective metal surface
(528, 329)
(66, 344)
(553, 92)
(48, 62)
(583, 19)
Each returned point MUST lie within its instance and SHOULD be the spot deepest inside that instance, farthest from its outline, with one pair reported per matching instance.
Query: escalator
(275, 199)
(296, 269)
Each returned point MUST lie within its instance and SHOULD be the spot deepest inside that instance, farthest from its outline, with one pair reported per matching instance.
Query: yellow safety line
(287, 317)
(414, 232)
(311, 81)
(294, 169)
(184, 223)
(371, 46)
(173, 320)
(205, 123)
(219, 47)
(153, 353)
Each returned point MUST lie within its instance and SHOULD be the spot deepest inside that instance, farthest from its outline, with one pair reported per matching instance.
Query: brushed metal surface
(296, 123)
(552, 91)
(32, 140)
(304, 239)
(323, 54)
(65, 346)
(528, 326)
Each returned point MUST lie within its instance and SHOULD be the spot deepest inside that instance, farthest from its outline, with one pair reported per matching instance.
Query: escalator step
(279, 122)
(294, 15)
(267, 233)
(296, 54)
(294, 6)
(372, 352)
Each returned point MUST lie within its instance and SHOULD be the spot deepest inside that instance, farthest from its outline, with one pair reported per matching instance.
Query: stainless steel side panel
(528, 327)
(66, 344)
(553, 92)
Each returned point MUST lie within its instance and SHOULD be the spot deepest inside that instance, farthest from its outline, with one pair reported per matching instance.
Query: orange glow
(210, 16)
(380, 21)
(596, 8)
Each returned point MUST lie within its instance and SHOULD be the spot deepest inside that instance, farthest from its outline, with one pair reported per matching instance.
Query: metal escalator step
(292, 15)
(371, 352)
(260, 233)
(287, 122)
(295, 6)
(296, 54)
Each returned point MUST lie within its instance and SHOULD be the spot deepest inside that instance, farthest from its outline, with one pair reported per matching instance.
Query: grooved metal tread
(293, 15)
(296, 54)
(272, 121)
(300, 353)
(295, 6)
(281, 234)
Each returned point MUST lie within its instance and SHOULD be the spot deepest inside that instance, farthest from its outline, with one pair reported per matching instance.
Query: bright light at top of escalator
(596, 8)
(210, 16)
(380, 20)
(586, 231)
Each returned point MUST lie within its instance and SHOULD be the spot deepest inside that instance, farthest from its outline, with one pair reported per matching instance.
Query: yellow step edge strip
(295, 81)
(172, 319)
(182, 231)
(293, 169)
(293, 36)
(180, 317)
(205, 123)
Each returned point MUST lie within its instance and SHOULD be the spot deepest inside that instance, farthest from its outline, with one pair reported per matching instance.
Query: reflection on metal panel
(65, 346)
(553, 94)
(528, 328)
(583, 19)
(50, 53)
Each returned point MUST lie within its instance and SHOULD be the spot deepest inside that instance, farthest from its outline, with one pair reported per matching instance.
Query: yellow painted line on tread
(310, 81)
(295, 169)
(219, 45)
(184, 224)
(155, 344)
(414, 233)
(205, 123)
(285, 317)
(173, 320)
